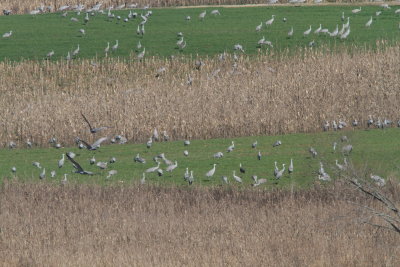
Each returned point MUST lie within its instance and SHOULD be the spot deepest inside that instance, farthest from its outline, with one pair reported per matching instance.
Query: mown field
(35, 36)
(375, 151)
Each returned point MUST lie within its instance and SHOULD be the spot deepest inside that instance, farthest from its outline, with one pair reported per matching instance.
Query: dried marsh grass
(80, 225)
(262, 95)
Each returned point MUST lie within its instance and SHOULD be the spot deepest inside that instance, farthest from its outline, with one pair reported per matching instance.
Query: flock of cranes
(237, 176)
(181, 44)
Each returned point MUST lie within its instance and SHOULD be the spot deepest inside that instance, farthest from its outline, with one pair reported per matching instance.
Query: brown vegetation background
(129, 225)
(259, 96)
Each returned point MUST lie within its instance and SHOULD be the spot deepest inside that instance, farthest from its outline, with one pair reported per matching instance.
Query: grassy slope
(376, 149)
(34, 37)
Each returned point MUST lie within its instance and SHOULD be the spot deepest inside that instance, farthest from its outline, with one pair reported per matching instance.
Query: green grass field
(34, 36)
(376, 150)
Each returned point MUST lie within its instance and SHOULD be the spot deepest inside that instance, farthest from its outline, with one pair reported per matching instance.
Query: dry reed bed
(49, 225)
(25, 6)
(262, 96)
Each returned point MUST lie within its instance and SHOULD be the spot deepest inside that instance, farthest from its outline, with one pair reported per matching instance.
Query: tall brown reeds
(88, 225)
(259, 96)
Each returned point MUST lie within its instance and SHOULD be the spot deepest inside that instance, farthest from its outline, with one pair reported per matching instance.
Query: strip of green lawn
(34, 36)
(376, 150)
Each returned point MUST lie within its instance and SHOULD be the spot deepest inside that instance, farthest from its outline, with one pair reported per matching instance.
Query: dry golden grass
(88, 225)
(261, 96)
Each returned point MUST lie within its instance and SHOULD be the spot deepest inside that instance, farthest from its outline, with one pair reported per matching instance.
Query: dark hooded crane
(78, 167)
(94, 130)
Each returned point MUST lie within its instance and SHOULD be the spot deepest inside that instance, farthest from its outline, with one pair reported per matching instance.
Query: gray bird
(94, 130)
(78, 167)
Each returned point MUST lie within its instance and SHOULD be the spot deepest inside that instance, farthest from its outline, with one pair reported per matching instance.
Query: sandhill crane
(259, 27)
(76, 51)
(261, 41)
(149, 143)
(68, 57)
(280, 172)
(377, 13)
(191, 178)
(115, 47)
(345, 34)
(231, 147)
(378, 180)
(42, 175)
(53, 174)
(311, 44)
(317, 31)
(186, 142)
(334, 146)
(321, 170)
(143, 179)
(237, 178)
(340, 166)
(61, 162)
(182, 46)
(211, 172)
(215, 12)
(139, 159)
(356, 10)
(78, 167)
(259, 182)
(36, 164)
(138, 46)
(307, 32)
(290, 169)
(50, 54)
(342, 17)
(335, 32)
(218, 155)
(160, 172)
(224, 179)
(64, 181)
(94, 130)
(92, 160)
(140, 56)
(270, 21)
(242, 170)
(107, 49)
(187, 18)
(186, 175)
(7, 34)
(347, 149)
(254, 145)
(290, 33)
(96, 144)
(14, 169)
(313, 152)
(277, 143)
(347, 24)
(259, 155)
(202, 15)
(153, 169)
(172, 167)
(238, 47)
(111, 173)
(369, 22)
(86, 18)
(113, 160)
(324, 177)
(186, 153)
(276, 170)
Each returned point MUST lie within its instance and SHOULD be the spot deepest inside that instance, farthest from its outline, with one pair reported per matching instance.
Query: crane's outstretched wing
(90, 126)
(98, 142)
(74, 163)
(88, 146)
